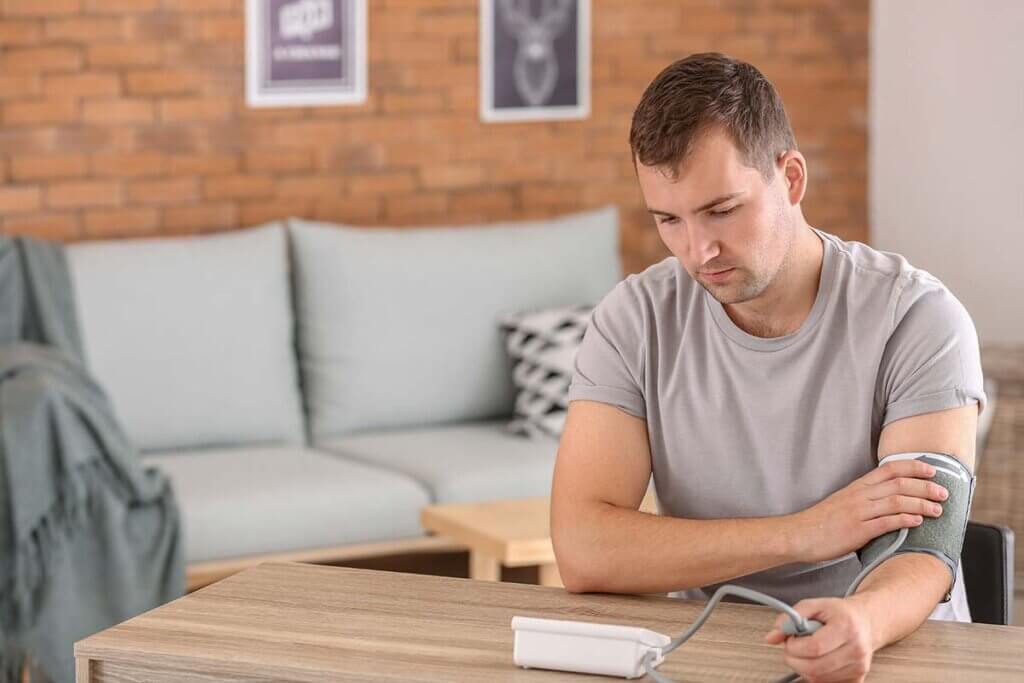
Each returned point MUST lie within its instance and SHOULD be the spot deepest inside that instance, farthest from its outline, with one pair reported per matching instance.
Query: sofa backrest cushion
(400, 327)
(192, 337)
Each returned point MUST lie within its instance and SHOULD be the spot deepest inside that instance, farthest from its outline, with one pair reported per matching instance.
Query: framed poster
(534, 60)
(305, 52)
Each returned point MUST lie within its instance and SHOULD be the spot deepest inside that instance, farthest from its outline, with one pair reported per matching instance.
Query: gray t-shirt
(744, 426)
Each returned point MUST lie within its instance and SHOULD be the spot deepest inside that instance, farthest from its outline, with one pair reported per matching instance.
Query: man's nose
(703, 244)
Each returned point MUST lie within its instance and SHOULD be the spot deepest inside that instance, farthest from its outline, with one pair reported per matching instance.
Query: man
(759, 374)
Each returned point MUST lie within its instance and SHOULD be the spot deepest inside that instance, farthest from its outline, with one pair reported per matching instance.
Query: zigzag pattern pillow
(542, 346)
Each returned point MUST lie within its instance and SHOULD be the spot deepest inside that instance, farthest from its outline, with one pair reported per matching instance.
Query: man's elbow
(579, 569)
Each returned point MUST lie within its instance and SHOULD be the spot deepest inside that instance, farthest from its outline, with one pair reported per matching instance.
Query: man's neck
(785, 304)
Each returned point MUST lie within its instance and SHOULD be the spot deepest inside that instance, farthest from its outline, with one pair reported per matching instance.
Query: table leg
(483, 567)
(548, 575)
(83, 670)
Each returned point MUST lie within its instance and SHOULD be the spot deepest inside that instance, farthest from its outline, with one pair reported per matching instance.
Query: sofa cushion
(399, 327)
(459, 463)
(192, 337)
(248, 501)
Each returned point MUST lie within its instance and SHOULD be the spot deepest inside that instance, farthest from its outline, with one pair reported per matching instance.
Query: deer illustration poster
(305, 52)
(534, 59)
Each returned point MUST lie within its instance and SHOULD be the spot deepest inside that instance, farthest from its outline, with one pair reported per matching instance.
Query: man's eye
(666, 221)
(725, 212)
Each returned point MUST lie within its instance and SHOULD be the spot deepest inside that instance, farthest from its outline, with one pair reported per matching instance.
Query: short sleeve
(609, 363)
(931, 361)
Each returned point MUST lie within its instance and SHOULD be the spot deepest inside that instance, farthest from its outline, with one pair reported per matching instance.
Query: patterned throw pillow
(542, 346)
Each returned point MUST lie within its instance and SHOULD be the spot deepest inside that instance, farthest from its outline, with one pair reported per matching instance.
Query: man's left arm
(900, 594)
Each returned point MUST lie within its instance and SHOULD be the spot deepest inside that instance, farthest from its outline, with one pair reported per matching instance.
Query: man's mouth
(718, 276)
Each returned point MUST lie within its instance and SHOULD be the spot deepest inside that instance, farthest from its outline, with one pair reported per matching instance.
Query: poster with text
(534, 60)
(305, 52)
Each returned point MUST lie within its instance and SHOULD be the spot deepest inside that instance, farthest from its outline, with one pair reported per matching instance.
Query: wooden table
(513, 533)
(510, 533)
(312, 623)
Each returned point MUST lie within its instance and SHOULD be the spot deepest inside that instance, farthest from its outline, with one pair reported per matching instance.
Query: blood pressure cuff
(941, 536)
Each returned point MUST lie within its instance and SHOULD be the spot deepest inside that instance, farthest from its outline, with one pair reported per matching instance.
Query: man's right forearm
(611, 549)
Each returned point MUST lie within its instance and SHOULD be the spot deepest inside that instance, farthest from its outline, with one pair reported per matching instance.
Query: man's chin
(728, 294)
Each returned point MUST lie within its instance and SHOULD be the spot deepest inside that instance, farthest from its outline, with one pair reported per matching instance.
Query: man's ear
(792, 166)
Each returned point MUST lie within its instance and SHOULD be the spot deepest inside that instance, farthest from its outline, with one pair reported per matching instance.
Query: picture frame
(305, 52)
(534, 60)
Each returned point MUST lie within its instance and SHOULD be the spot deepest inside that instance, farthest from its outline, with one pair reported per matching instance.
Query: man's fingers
(825, 640)
(898, 468)
(895, 505)
(907, 486)
(838, 665)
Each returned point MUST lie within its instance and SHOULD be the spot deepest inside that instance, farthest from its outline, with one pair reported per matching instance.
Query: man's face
(720, 215)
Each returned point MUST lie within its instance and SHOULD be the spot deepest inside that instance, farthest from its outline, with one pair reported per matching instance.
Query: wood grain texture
(312, 623)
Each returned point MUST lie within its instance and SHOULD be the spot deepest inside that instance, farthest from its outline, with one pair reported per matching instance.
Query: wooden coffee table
(300, 622)
(510, 533)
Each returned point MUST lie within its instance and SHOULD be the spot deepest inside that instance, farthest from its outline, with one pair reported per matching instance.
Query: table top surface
(306, 622)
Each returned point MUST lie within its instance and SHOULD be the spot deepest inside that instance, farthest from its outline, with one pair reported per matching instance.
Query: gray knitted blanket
(88, 536)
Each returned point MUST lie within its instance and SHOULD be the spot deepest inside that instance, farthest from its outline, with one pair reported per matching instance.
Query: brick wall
(127, 118)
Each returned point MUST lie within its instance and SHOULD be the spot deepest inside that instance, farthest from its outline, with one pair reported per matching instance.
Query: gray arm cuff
(941, 536)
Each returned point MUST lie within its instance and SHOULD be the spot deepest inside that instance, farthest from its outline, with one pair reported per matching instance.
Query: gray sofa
(309, 387)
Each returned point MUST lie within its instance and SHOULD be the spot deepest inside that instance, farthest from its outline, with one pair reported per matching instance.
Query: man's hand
(841, 650)
(888, 498)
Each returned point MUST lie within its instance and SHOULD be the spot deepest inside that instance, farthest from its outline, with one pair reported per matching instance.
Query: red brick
(49, 226)
(382, 183)
(200, 217)
(37, 59)
(125, 54)
(121, 6)
(40, 8)
(163, 81)
(349, 210)
(83, 194)
(416, 208)
(279, 160)
(84, 29)
(117, 222)
(204, 164)
(43, 167)
(20, 32)
(90, 84)
(179, 109)
(18, 87)
(221, 28)
(414, 102)
(19, 199)
(34, 112)
(452, 176)
(311, 186)
(239, 186)
(128, 165)
(113, 112)
(201, 5)
(513, 171)
(476, 201)
(169, 191)
(560, 195)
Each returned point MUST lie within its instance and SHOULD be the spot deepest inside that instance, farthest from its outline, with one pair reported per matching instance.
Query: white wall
(946, 149)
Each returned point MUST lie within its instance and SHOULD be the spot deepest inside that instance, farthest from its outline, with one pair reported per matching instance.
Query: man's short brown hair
(703, 91)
